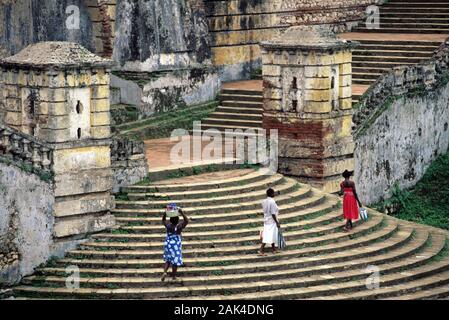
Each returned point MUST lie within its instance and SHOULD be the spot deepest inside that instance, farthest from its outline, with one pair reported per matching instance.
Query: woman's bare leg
(262, 249)
(166, 266)
(174, 271)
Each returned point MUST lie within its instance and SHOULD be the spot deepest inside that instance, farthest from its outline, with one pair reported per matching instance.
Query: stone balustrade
(24, 149)
(401, 81)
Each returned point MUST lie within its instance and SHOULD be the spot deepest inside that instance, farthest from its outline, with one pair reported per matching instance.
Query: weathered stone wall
(26, 222)
(400, 145)
(159, 92)
(156, 35)
(237, 26)
(24, 22)
(129, 164)
(401, 126)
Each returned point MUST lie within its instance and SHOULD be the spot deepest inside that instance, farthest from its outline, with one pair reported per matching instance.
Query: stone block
(57, 123)
(345, 92)
(55, 136)
(318, 95)
(317, 107)
(272, 82)
(84, 225)
(346, 103)
(100, 92)
(54, 109)
(271, 105)
(13, 118)
(100, 105)
(81, 158)
(100, 119)
(100, 77)
(337, 128)
(83, 204)
(53, 95)
(271, 70)
(317, 71)
(345, 80)
(272, 94)
(317, 83)
(81, 182)
(103, 132)
(13, 105)
(346, 68)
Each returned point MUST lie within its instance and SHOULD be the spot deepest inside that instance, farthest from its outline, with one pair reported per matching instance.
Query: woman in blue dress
(173, 243)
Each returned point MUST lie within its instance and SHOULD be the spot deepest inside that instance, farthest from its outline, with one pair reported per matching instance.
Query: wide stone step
(293, 212)
(211, 121)
(368, 65)
(218, 261)
(401, 53)
(267, 182)
(283, 185)
(225, 237)
(236, 116)
(341, 244)
(250, 176)
(420, 267)
(293, 283)
(241, 97)
(406, 60)
(243, 104)
(398, 247)
(240, 110)
(304, 197)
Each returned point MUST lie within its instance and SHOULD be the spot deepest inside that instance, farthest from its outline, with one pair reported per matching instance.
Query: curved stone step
(293, 267)
(307, 284)
(251, 177)
(263, 184)
(290, 236)
(340, 244)
(286, 185)
(248, 204)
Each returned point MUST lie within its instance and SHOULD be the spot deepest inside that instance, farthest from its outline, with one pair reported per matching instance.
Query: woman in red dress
(351, 202)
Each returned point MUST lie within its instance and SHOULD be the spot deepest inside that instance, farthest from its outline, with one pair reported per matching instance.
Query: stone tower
(59, 93)
(308, 98)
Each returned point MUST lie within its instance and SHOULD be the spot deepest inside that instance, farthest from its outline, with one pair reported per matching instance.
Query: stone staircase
(239, 109)
(407, 36)
(221, 242)
(373, 58)
(413, 16)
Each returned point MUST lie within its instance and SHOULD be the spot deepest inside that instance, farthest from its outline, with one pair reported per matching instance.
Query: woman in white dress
(271, 223)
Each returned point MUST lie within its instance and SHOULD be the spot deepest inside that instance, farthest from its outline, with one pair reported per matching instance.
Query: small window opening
(295, 83)
(333, 83)
(79, 107)
(79, 133)
(295, 105)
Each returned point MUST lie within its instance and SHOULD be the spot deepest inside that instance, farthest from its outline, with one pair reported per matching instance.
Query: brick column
(308, 99)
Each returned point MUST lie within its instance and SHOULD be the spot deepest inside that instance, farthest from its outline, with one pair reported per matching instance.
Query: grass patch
(428, 202)
(162, 125)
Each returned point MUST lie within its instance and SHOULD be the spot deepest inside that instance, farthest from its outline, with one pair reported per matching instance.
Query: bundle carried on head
(172, 210)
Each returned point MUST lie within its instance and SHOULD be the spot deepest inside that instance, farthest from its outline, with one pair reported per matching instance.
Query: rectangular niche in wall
(79, 113)
(292, 89)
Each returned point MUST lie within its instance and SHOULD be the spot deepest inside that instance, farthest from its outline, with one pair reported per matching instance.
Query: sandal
(164, 276)
(261, 254)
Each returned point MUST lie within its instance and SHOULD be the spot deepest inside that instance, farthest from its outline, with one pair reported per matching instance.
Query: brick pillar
(308, 99)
